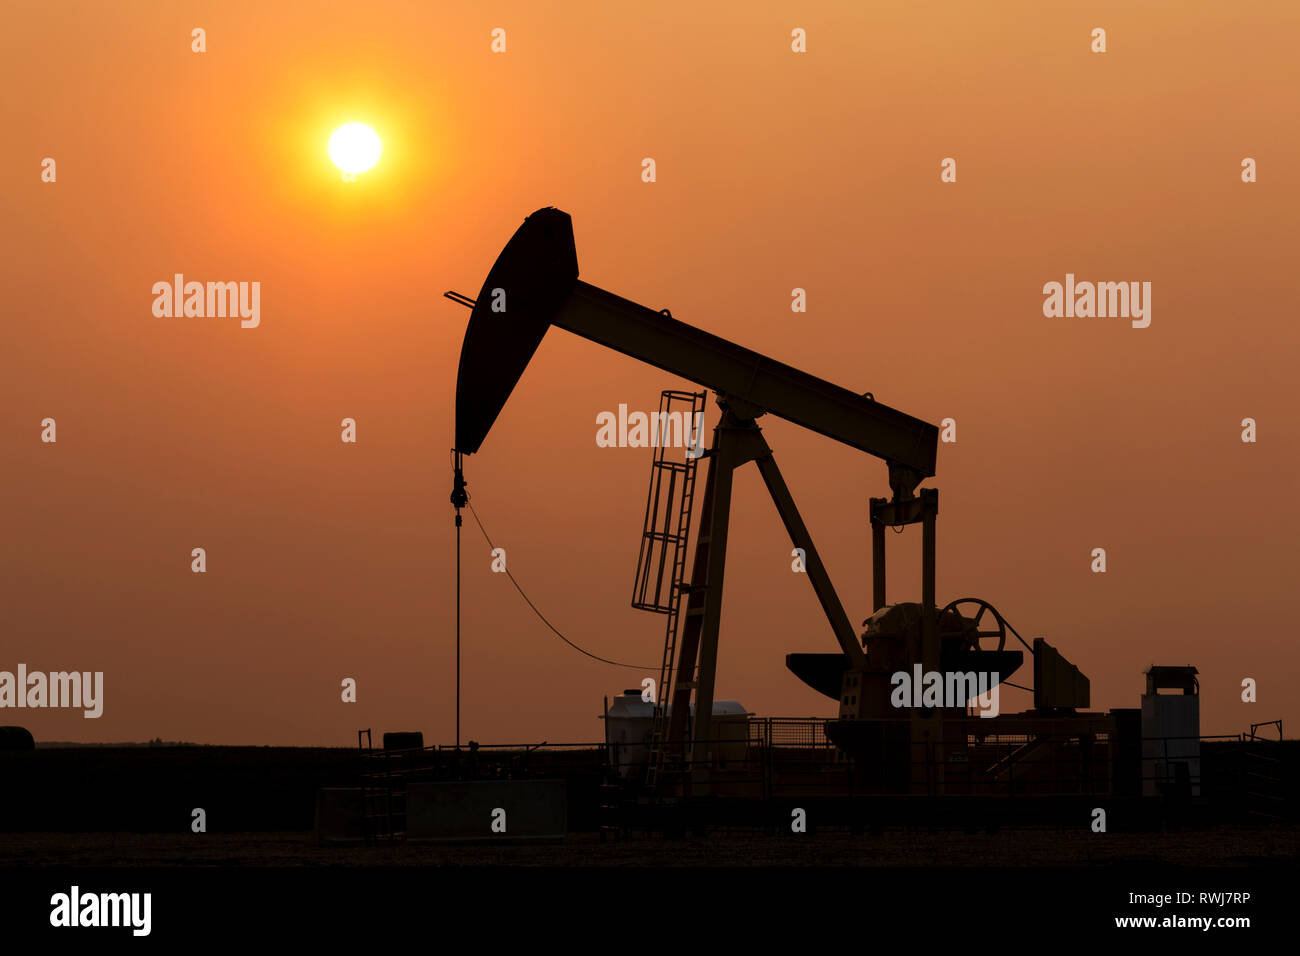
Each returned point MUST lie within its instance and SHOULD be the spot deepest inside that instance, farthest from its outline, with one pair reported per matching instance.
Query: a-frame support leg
(800, 538)
(698, 651)
(736, 440)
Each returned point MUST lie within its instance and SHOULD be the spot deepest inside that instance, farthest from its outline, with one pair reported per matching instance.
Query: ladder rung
(675, 532)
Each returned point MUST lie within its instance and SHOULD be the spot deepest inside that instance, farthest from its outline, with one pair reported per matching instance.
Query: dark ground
(131, 807)
(1219, 847)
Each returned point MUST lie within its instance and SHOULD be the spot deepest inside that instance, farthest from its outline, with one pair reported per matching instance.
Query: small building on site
(1171, 733)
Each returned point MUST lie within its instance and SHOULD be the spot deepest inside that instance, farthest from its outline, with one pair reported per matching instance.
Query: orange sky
(775, 170)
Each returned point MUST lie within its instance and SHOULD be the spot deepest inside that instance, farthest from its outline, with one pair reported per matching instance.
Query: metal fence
(774, 759)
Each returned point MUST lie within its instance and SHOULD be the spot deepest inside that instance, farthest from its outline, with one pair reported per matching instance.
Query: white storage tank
(629, 720)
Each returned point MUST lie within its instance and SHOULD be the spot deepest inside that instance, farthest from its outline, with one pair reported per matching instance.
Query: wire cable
(1018, 637)
(595, 657)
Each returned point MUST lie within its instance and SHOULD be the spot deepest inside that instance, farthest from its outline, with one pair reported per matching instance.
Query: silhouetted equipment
(661, 563)
(459, 498)
(403, 740)
(630, 722)
(1057, 683)
(533, 286)
(659, 585)
(1171, 733)
(16, 738)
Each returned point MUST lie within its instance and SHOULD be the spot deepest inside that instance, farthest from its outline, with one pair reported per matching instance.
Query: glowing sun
(355, 148)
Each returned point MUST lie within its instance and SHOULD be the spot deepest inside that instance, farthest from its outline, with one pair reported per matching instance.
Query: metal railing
(773, 760)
